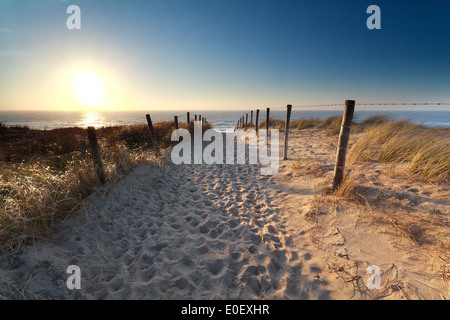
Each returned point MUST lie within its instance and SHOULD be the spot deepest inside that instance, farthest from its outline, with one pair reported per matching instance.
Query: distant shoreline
(223, 120)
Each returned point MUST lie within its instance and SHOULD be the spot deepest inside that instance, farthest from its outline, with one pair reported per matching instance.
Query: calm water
(220, 120)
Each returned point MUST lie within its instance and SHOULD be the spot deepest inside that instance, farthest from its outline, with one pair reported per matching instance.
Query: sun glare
(89, 88)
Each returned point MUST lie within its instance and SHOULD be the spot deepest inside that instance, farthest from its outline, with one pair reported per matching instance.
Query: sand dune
(226, 232)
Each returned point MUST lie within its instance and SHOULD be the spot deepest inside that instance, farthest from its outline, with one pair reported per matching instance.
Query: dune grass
(305, 123)
(426, 151)
(332, 123)
(274, 123)
(46, 175)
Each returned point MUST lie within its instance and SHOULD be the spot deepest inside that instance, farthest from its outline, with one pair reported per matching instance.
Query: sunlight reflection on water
(91, 119)
(220, 120)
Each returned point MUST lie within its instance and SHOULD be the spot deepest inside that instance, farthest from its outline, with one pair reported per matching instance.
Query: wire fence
(395, 104)
(373, 104)
(404, 104)
(183, 116)
(367, 104)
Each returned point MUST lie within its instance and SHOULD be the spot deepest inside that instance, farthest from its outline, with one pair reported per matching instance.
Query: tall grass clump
(375, 119)
(334, 123)
(277, 124)
(303, 123)
(34, 196)
(426, 151)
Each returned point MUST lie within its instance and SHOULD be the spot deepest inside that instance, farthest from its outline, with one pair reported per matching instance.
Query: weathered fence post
(195, 117)
(188, 118)
(200, 118)
(150, 126)
(256, 120)
(175, 118)
(267, 124)
(246, 120)
(286, 138)
(96, 155)
(251, 118)
(343, 143)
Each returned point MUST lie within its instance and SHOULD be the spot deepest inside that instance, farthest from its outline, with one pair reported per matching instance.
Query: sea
(221, 120)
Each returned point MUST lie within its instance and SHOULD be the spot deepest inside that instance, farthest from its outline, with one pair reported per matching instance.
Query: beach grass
(425, 151)
(305, 123)
(45, 175)
(332, 124)
(274, 123)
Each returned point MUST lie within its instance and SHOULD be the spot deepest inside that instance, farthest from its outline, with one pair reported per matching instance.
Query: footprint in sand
(215, 267)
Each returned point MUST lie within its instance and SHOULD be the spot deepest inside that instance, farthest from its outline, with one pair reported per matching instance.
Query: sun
(88, 88)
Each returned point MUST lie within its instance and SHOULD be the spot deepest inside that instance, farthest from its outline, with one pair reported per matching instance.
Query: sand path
(178, 232)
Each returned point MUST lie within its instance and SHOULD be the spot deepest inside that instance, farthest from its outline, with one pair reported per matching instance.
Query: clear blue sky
(224, 54)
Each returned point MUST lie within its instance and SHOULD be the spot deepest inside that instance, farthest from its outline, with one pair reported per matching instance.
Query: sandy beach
(227, 232)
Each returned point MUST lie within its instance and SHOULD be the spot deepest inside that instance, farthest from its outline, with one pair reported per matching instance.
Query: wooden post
(195, 117)
(267, 125)
(251, 118)
(96, 155)
(343, 143)
(175, 118)
(188, 118)
(256, 120)
(150, 126)
(200, 117)
(246, 120)
(288, 119)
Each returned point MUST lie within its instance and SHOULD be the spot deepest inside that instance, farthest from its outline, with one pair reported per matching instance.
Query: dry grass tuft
(305, 123)
(277, 124)
(309, 167)
(426, 151)
(334, 123)
(348, 189)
